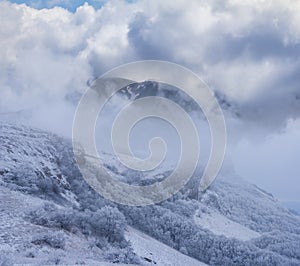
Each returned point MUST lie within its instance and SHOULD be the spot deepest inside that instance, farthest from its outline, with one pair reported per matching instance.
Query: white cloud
(246, 45)
(248, 51)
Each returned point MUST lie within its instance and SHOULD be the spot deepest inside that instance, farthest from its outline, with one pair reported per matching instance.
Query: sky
(70, 5)
(247, 51)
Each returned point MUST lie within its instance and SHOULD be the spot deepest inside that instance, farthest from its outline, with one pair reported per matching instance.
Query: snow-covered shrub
(47, 186)
(99, 242)
(87, 197)
(182, 233)
(27, 178)
(49, 215)
(106, 223)
(124, 255)
(276, 241)
(182, 207)
(52, 239)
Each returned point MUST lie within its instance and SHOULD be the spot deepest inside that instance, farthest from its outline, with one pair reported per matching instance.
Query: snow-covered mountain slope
(249, 205)
(19, 240)
(155, 252)
(50, 215)
(22, 242)
(221, 225)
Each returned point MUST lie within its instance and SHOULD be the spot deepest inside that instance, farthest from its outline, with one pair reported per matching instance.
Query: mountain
(293, 206)
(49, 215)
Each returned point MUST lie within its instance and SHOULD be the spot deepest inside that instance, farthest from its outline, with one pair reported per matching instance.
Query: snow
(155, 252)
(221, 225)
(16, 234)
(231, 207)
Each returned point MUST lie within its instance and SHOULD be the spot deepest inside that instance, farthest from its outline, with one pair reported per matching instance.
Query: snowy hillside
(221, 225)
(49, 215)
(62, 247)
(155, 252)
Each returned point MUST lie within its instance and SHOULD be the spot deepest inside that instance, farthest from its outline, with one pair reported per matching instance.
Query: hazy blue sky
(71, 5)
(248, 51)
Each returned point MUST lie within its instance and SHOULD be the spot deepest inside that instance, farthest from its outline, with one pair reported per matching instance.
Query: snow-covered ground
(16, 234)
(221, 225)
(157, 253)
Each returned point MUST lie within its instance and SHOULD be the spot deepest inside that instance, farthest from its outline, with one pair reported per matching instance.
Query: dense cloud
(248, 51)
